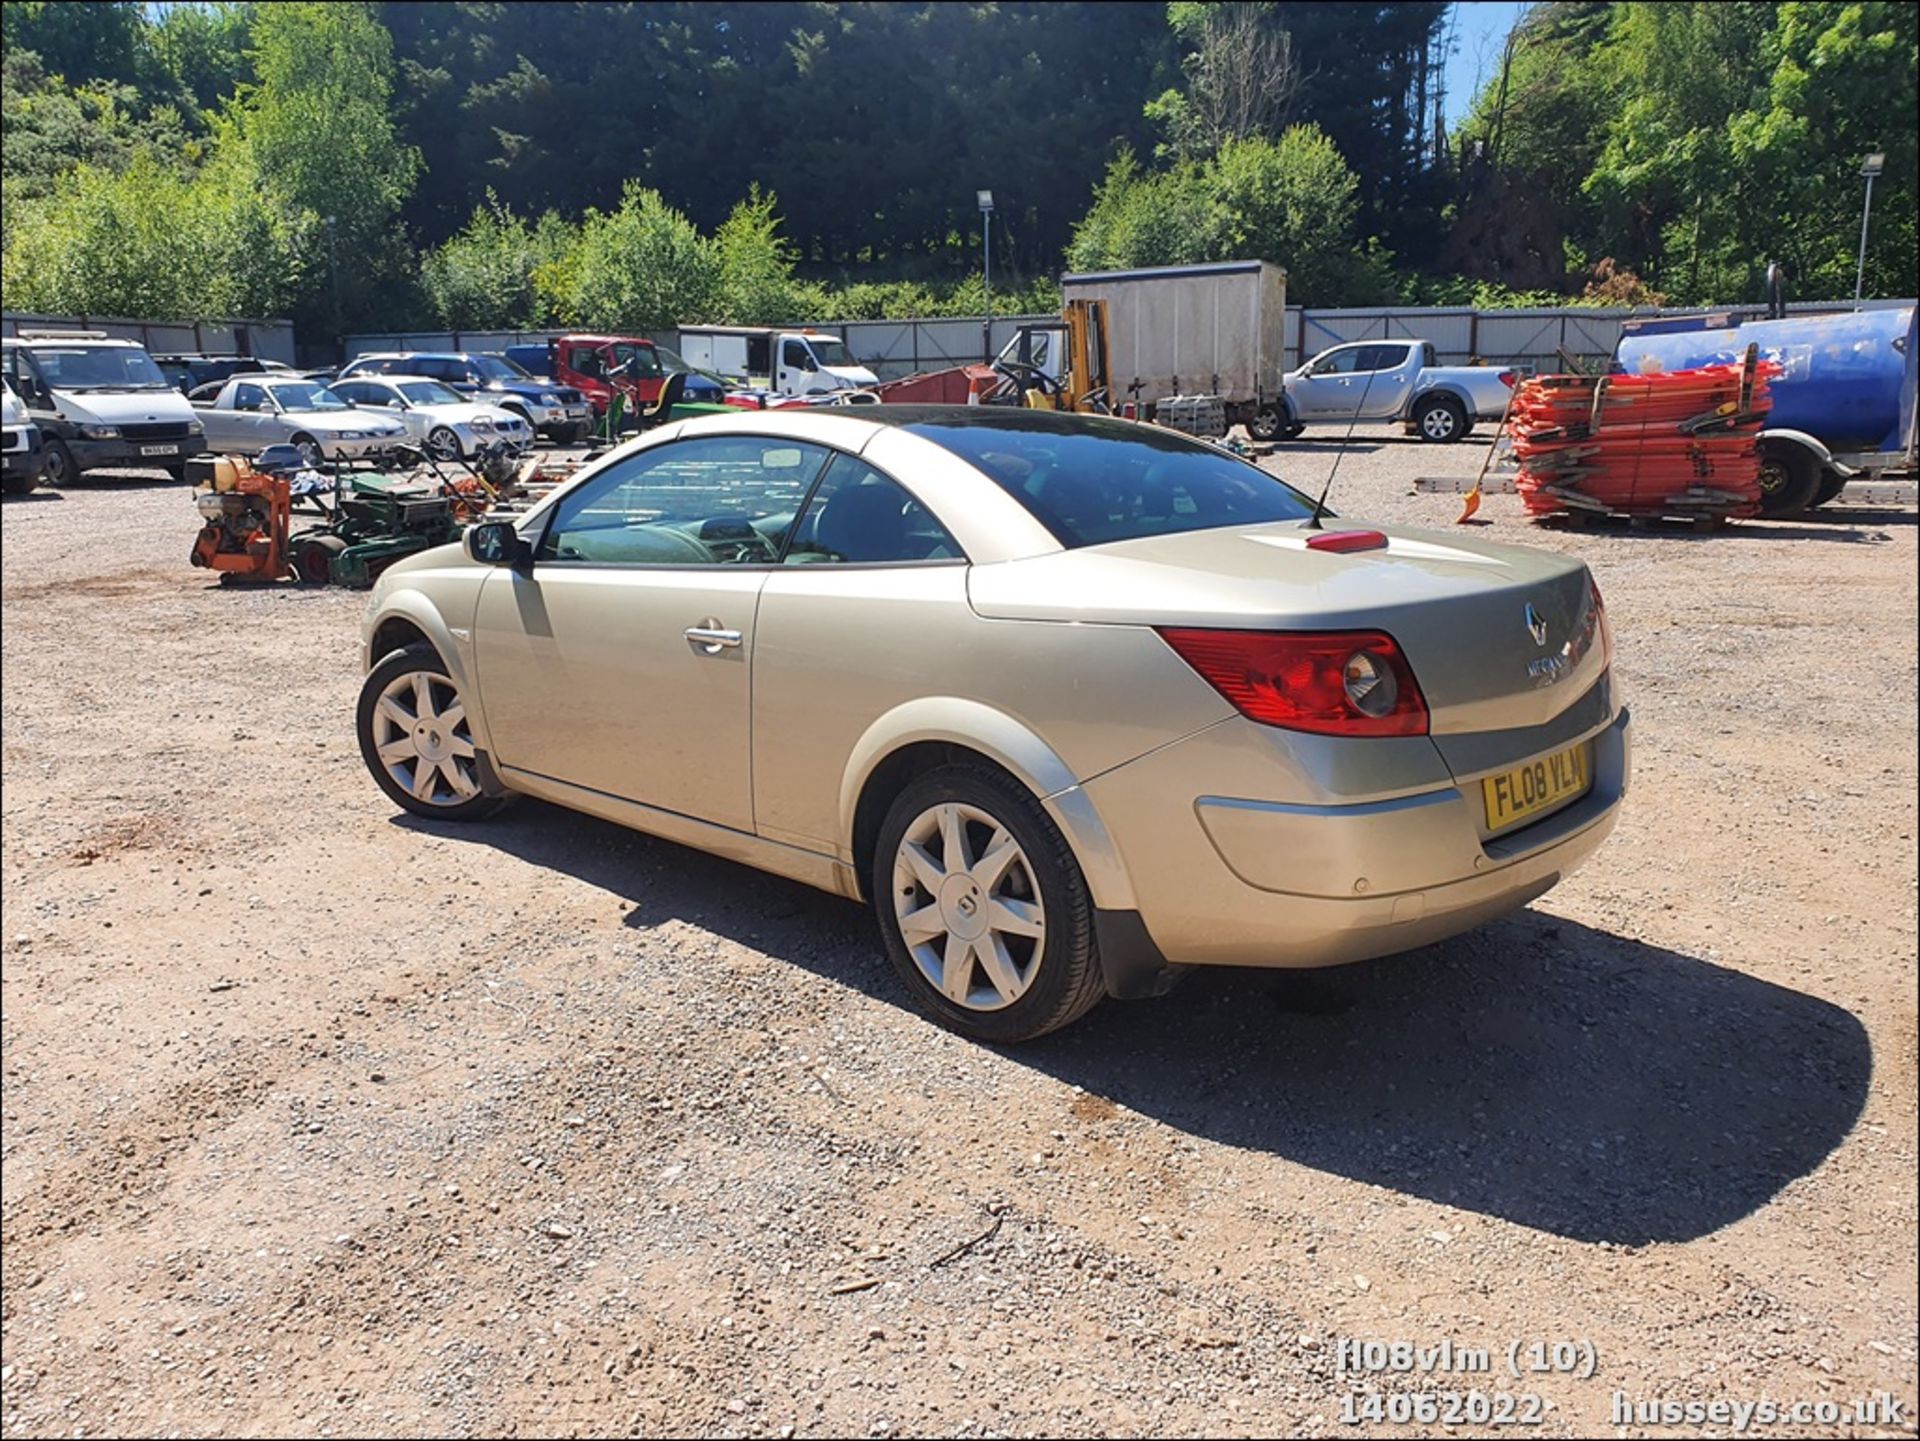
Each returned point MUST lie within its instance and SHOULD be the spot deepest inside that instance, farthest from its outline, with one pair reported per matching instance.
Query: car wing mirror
(497, 542)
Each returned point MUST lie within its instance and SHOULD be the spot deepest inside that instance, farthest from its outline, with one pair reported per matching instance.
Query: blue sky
(1479, 33)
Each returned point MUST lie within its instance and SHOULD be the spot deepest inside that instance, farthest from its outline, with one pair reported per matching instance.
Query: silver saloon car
(1074, 703)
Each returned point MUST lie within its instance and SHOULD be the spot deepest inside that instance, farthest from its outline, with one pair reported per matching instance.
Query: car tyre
(58, 469)
(1441, 418)
(1832, 482)
(309, 448)
(399, 735)
(18, 484)
(1789, 478)
(443, 444)
(997, 942)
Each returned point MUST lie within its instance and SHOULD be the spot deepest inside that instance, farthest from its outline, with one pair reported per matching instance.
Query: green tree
(642, 266)
(1293, 201)
(1240, 76)
(53, 127)
(151, 240)
(84, 42)
(1171, 217)
(757, 284)
(483, 278)
(317, 124)
(1689, 143)
(203, 47)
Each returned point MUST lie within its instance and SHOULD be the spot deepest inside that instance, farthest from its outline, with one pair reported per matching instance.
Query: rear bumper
(1249, 883)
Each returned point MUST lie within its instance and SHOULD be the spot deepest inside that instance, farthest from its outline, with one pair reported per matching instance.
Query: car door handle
(710, 639)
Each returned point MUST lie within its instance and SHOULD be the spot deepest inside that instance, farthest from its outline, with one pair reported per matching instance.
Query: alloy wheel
(443, 444)
(967, 906)
(1437, 423)
(421, 736)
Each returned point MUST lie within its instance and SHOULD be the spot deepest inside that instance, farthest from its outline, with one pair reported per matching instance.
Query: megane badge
(1536, 627)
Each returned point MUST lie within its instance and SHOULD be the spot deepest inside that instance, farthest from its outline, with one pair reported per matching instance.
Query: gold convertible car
(1074, 702)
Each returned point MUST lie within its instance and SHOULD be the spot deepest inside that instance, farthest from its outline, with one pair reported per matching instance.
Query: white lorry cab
(100, 404)
(787, 362)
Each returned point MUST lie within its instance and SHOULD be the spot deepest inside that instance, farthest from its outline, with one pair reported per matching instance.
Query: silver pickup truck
(1396, 380)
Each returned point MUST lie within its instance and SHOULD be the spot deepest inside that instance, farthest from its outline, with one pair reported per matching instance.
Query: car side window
(857, 516)
(249, 397)
(637, 361)
(708, 500)
(794, 355)
(1341, 362)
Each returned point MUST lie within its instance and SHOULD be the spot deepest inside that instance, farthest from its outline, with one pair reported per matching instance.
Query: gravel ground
(319, 1118)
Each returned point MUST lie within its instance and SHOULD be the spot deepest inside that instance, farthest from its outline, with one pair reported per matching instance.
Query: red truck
(596, 364)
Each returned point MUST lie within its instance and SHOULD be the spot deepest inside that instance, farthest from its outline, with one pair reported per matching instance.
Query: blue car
(558, 412)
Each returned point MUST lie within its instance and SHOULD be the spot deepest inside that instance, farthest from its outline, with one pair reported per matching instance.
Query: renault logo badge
(1536, 627)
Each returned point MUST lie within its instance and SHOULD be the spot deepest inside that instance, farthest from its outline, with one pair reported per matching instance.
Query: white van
(22, 446)
(100, 404)
(788, 362)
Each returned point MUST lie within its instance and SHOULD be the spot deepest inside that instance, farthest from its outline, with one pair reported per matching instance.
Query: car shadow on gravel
(1538, 1070)
(1561, 1077)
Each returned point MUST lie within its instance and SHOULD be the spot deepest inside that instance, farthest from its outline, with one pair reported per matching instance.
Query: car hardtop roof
(606, 339)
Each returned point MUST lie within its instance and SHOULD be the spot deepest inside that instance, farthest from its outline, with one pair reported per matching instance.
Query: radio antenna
(1320, 505)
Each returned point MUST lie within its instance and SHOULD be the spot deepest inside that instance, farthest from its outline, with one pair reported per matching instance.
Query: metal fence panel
(269, 339)
(894, 348)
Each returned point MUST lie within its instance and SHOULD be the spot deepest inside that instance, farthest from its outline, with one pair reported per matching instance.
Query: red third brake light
(1347, 683)
(1347, 540)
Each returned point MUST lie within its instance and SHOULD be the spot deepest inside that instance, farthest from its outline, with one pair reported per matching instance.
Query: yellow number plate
(1538, 786)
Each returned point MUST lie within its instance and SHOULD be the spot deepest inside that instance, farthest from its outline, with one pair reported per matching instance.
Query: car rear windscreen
(1100, 480)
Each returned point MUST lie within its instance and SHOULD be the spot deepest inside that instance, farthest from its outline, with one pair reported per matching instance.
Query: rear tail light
(1507, 378)
(1348, 683)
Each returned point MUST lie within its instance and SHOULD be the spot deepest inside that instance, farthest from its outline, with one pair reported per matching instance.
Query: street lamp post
(985, 198)
(1869, 167)
(333, 284)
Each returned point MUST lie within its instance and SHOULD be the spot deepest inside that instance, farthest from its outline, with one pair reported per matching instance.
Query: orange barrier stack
(1681, 443)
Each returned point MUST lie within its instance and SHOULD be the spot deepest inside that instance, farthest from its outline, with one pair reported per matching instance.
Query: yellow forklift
(1058, 365)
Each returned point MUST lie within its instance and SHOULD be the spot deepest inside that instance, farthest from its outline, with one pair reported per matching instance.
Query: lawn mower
(369, 520)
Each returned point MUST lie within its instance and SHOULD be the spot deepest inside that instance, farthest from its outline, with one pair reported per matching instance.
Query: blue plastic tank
(1846, 379)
